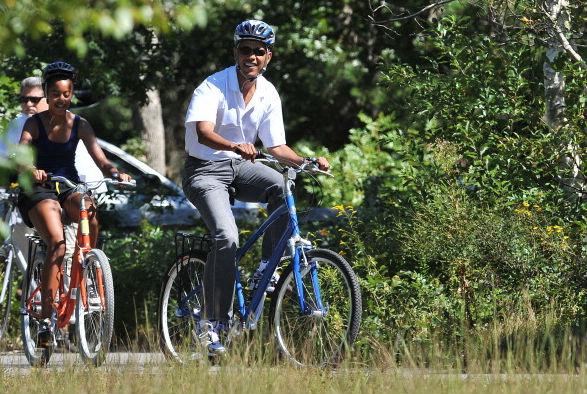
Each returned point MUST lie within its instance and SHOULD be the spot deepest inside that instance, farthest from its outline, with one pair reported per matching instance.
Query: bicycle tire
(310, 340)
(36, 356)
(180, 304)
(5, 306)
(94, 322)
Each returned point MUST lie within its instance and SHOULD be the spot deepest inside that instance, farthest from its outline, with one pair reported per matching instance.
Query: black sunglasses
(32, 99)
(247, 51)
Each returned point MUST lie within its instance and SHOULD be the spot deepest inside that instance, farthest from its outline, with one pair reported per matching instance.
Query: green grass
(523, 362)
(201, 378)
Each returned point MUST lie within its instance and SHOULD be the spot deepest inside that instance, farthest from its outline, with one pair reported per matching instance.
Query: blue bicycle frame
(297, 245)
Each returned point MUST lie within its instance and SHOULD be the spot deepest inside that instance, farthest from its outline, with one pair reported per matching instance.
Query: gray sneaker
(210, 339)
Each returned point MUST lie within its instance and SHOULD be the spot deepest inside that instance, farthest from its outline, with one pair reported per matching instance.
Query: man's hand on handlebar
(322, 163)
(246, 150)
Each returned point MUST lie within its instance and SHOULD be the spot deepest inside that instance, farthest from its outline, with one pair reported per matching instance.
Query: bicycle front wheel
(31, 313)
(317, 336)
(180, 308)
(94, 312)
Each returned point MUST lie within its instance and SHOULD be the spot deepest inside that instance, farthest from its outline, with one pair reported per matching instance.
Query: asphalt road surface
(16, 361)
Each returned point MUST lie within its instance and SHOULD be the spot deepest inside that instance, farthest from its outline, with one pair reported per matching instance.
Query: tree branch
(410, 16)
(563, 39)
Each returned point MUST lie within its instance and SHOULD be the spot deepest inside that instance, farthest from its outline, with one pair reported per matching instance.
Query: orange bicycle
(89, 293)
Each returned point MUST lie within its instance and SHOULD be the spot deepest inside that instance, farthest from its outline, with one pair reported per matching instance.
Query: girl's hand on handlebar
(121, 176)
(124, 177)
(40, 176)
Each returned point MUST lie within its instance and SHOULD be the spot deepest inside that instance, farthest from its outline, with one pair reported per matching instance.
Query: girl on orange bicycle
(54, 134)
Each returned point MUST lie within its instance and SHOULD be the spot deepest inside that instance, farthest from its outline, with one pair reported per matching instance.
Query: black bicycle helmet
(58, 68)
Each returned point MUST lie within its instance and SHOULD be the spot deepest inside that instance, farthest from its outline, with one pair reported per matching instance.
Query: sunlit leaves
(116, 18)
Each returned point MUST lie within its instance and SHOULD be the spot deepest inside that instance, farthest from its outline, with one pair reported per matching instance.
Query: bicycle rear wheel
(94, 313)
(317, 338)
(5, 294)
(180, 306)
(31, 307)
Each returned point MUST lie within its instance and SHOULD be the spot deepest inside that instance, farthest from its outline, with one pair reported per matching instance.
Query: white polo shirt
(219, 100)
(12, 136)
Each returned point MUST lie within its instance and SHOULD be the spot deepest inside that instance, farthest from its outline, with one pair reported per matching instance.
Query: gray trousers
(206, 184)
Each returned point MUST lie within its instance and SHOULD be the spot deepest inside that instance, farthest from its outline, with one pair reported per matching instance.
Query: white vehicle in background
(156, 199)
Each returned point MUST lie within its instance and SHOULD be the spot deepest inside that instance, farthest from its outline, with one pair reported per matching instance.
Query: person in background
(32, 101)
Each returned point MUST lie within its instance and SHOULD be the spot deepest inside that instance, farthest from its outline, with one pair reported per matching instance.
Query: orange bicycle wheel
(94, 312)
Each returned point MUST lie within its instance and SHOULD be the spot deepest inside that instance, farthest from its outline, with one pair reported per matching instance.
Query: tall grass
(499, 349)
(508, 358)
(237, 378)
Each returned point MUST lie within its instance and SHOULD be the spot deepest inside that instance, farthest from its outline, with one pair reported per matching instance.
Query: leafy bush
(453, 210)
(139, 261)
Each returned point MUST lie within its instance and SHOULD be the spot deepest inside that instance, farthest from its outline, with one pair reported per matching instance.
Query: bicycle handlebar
(94, 184)
(308, 165)
(9, 194)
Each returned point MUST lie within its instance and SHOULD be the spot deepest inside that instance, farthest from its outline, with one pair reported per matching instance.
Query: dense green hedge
(454, 213)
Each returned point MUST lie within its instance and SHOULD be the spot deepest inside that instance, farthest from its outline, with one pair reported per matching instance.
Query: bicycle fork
(298, 247)
(7, 272)
(84, 248)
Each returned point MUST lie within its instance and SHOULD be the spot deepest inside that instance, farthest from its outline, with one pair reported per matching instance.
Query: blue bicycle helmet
(254, 30)
(58, 68)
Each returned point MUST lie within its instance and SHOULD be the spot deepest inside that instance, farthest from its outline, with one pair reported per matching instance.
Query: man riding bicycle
(55, 134)
(226, 115)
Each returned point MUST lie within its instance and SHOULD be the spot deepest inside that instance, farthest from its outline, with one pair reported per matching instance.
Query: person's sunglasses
(247, 51)
(32, 99)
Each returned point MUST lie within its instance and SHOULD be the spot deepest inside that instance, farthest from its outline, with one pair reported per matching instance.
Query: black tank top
(55, 157)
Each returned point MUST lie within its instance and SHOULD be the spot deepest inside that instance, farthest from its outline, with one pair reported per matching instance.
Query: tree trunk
(153, 132)
(554, 89)
(554, 81)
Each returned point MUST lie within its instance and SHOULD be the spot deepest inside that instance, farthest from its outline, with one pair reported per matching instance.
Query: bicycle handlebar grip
(262, 155)
(132, 182)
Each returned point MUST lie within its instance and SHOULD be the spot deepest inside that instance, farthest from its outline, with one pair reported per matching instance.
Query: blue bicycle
(315, 309)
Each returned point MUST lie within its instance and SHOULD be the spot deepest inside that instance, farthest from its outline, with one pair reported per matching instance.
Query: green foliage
(136, 147)
(378, 149)
(9, 108)
(112, 19)
(325, 60)
(487, 97)
(138, 261)
(460, 222)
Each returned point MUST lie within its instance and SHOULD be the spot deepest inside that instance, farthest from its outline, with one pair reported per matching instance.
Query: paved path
(16, 362)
